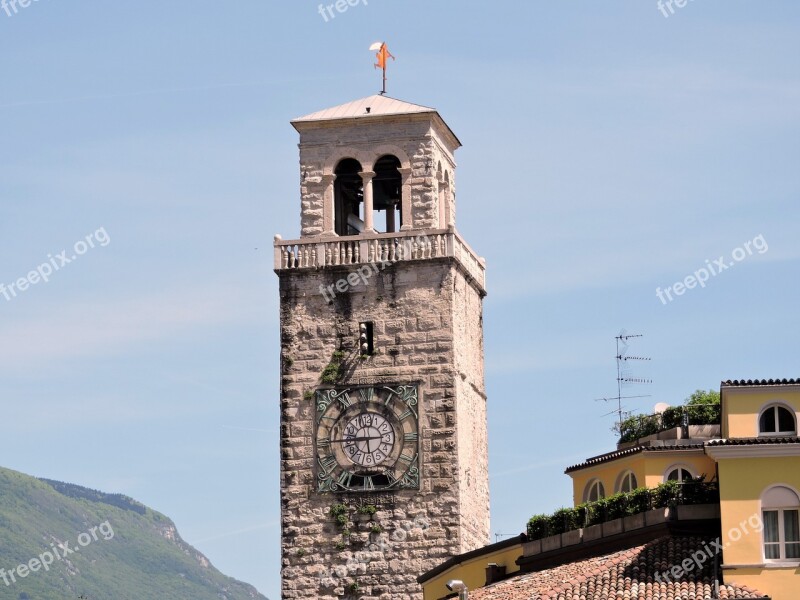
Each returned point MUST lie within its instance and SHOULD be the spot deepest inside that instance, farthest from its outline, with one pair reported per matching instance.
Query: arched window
(348, 198)
(781, 515)
(627, 482)
(679, 474)
(777, 420)
(388, 194)
(594, 491)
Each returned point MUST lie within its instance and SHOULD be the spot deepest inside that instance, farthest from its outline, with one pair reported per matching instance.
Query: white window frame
(682, 467)
(623, 478)
(781, 528)
(601, 493)
(773, 405)
(781, 543)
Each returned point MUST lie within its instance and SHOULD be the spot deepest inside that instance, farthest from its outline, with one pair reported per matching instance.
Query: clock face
(367, 438)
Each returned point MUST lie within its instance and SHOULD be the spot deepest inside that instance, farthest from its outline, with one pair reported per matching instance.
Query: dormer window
(777, 420)
(679, 474)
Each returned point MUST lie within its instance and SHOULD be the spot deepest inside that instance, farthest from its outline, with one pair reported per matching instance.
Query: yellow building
(758, 461)
(752, 454)
(639, 466)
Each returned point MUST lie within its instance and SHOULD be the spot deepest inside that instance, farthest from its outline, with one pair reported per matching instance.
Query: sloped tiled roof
(628, 574)
(596, 460)
(752, 382)
(755, 441)
(378, 106)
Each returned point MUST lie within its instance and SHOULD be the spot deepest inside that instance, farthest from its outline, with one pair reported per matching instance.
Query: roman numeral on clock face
(345, 400)
(406, 459)
(366, 394)
(411, 437)
(405, 415)
(328, 463)
(368, 484)
(344, 479)
(324, 442)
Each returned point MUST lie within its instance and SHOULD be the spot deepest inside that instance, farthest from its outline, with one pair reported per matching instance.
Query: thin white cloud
(100, 328)
(268, 525)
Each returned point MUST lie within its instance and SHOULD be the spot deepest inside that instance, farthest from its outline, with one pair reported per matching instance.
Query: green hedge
(639, 426)
(620, 505)
(702, 408)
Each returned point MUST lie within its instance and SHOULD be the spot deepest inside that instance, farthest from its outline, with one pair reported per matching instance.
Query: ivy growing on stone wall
(335, 369)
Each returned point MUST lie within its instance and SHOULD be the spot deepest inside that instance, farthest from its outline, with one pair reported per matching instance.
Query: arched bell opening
(388, 192)
(348, 198)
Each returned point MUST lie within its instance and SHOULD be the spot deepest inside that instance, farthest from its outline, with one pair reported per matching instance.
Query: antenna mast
(623, 373)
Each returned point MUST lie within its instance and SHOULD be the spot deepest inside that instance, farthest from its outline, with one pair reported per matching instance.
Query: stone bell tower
(384, 457)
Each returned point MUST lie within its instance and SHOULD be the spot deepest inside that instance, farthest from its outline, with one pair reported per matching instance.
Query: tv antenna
(624, 377)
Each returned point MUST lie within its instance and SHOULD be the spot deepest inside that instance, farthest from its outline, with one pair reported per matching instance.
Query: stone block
(551, 543)
(593, 532)
(656, 516)
(697, 512)
(532, 548)
(633, 522)
(570, 538)
(614, 527)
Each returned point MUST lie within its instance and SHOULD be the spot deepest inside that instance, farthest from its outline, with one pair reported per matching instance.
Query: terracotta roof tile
(751, 382)
(625, 575)
(755, 441)
(596, 460)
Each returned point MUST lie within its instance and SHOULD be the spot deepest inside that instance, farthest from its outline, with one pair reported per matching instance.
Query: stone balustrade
(317, 253)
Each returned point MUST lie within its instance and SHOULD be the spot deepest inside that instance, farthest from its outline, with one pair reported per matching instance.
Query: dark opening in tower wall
(349, 198)
(388, 185)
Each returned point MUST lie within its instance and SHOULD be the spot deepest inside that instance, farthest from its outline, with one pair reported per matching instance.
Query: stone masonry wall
(421, 311)
(471, 416)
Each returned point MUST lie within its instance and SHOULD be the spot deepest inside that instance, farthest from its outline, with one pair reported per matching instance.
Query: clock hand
(359, 439)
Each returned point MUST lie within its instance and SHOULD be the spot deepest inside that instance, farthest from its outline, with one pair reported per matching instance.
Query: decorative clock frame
(367, 438)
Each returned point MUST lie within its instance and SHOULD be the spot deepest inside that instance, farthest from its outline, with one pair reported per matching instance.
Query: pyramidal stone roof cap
(371, 107)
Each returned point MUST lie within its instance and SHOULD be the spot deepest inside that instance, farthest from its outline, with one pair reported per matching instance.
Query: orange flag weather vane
(383, 56)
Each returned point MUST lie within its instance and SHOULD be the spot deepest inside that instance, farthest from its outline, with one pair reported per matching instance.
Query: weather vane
(383, 56)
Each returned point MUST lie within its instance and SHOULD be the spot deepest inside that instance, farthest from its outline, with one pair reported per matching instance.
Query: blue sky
(608, 151)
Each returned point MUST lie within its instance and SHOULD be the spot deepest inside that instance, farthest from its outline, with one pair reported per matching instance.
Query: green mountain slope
(99, 546)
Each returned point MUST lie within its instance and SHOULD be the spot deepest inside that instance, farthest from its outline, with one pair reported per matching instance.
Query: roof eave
(302, 124)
